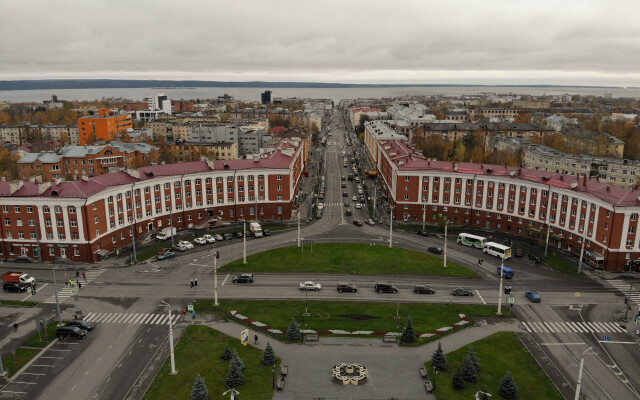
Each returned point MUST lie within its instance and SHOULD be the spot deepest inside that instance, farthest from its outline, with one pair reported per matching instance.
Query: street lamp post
(244, 242)
(171, 224)
(580, 374)
(500, 289)
(215, 277)
(273, 374)
(173, 361)
(299, 209)
(581, 256)
(391, 227)
(424, 214)
(446, 224)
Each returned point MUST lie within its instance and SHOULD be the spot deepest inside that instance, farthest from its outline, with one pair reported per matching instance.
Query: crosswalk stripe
(540, 327)
(550, 328)
(111, 317)
(526, 326)
(162, 320)
(137, 319)
(144, 319)
(153, 321)
(560, 326)
(88, 317)
(600, 327)
(126, 320)
(571, 327)
(592, 327)
(175, 318)
(586, 328)
(120, 317)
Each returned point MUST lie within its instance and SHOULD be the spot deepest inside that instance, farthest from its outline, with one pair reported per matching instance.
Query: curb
(27, 365)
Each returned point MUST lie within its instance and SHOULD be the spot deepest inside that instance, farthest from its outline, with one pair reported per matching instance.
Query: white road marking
(32, 373)
(25, 383)
(479, 295)
(225, 280)
(563, 344)
(611, 341)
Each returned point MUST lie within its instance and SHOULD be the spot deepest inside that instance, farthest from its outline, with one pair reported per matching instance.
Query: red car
(162, 251)
(357, 222)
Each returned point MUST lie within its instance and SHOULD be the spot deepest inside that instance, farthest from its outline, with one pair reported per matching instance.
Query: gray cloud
(457, 41)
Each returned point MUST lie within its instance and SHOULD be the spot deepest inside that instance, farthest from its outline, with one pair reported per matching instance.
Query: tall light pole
(581, 255)
(391, 227)
(580, 374)
(173, 360)
(171, 224)
(55, 290)
(215, 277)
(446, 224)
(244, 242)
(299, 209)
(424, 215)
(500, 288)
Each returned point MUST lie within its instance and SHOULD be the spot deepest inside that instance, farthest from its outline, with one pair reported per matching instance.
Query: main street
(130, 329)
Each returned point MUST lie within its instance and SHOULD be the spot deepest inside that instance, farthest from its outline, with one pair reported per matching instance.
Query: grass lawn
(198, 352)
(494, 364)
(326, 315)
(35, 341)
(559, 264)
(21, 357)
(349, 258)
(18, 303)
(152, 251)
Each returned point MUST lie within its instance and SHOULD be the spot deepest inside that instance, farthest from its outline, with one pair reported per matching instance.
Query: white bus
(497, 250)
(472, 240)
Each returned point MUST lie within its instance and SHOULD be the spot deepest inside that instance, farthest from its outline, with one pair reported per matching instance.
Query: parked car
(248, 234)
(179, 247)
(319, 214)
(266, 232)
(186, 244)
(82, 324)
(64, 332)
(357, 222)
(166, 255)
(163, 250)
(533, 295)
(423, 233)
(243, 278)
(382, 287)
(218, 237)
(354, 198)
(435, 249)
(345, 194)
(309, 285)
(460, 291)
(349, 212)
(369, 222)
(423, 289)
(358, 206)
(227, 236)
(535, 258)
(200, 240)
(24, 259)
(347, 287)
(15, 287)
(209, 238)
(518, 252)
(343, 184)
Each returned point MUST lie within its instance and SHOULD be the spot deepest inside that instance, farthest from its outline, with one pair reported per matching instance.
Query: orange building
(102, 126)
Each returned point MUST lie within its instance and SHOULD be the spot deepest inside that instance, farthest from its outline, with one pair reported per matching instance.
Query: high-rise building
(266, 97)
(102, 126)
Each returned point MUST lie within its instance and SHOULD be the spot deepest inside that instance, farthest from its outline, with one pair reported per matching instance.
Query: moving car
(357, 222)
(460, 291)
(82, 324)
(309, 285)
(349, 212)
(200, 240)
(345, 194)
(423, 233)
(423, 289)
(64, 332)
(266, 232)
(346, 204)
(382, 287)
(369, 222)
(15, 287)
(533, 296)
(343, 184)
(358, 206)
(535, 258)
(166, 255)
(435, 249)
(209, 238)
(243, 278)
(186, 244)
(347, 287)
(518, 252)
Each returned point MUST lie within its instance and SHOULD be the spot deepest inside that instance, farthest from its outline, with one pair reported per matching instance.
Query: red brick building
(102, 126)
(90, 218)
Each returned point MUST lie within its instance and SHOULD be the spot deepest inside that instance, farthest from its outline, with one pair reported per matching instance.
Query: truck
(19, 277)
(166, 233)
(256, 229)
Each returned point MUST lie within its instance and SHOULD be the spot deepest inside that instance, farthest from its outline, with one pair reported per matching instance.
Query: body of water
(335, 94)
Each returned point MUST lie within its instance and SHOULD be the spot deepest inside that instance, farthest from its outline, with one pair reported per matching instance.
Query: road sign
(74, 292)
(512, 300)
(638, 320)
(577, 294)
(244, 337)
(606, 338)
(190, 307)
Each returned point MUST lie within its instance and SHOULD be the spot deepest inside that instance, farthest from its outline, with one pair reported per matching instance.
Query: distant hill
(134, 83)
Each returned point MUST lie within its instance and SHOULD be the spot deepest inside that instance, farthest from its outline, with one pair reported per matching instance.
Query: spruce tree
(199, 390)
(409, 334)
(474, 359)
(227, 354)
(439, 359)
(468, 370)
(508, 388)
(268, 356)
(293, 333)
(234, 375)
(240, 362)
(484, 396)
(458, 381)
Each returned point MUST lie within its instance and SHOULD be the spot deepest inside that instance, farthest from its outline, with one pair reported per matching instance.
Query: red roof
(173, 169)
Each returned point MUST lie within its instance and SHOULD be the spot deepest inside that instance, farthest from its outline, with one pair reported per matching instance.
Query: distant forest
(134, 83)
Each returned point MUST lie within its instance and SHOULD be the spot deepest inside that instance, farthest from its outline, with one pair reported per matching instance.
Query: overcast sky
(587, 42)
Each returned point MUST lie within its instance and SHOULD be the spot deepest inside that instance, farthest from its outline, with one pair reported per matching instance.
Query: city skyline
(462, 42)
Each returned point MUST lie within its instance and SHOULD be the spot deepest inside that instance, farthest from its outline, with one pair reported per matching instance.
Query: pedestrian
(255, 339)
(193, 314)
(84, 276)
(77, 274)
(15, 327)
(184, 314)
(79, 285)
(71, 282)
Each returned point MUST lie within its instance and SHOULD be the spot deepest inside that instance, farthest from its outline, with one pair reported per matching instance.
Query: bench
(428, 386)
(423, 373)
(390, 338)
(311, 337)
(283, 370)
(280, 383)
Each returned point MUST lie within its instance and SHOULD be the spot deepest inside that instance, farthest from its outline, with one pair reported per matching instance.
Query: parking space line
(59, 358)
(32, 373)
(11, 391)
(42, 365)
(59, 350)
(25, 383)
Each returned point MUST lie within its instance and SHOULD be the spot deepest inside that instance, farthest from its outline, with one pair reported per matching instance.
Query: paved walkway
(393, 370)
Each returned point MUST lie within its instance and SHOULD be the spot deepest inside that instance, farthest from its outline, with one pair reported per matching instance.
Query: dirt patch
(359, 317)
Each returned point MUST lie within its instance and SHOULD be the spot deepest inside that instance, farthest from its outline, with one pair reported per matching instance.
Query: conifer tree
(293, 333)
(409, 334)
(508, 388)
(458, 381)
(235, 377)
(240, 362)
(199, 390)
(227, 354)
(474, 359)
(268, 356)
(468, 370)
(439, 359)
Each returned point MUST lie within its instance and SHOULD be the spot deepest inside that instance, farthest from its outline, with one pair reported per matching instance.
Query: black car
(535, 258)
(16, 287)
(227, 236)
(423, 233)
(518, 252)
(423, 289)
(459, 291)
(64, 332)
(347, 287)
(435, 249)
(346, 204)
(239, 235)
(243, 278)
(266, 232)
(382, 287)
(80, 324)
(348, 212)
(345, 194)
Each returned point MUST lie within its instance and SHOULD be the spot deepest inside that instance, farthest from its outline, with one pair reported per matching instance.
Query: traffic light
(191, 282)
(507, 290)
(196, 281)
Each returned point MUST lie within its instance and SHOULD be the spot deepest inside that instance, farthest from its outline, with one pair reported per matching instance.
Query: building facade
(103, 126)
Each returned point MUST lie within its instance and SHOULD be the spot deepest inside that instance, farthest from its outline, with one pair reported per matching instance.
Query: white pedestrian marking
(132, 318)
(65, 292)
(571, 327)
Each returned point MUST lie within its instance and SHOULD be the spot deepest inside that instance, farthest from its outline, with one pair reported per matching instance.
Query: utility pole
(446, 224)
(38, 241)
(55, 290)
(215, 277)
(173, 361)
(299, 209)
(580, 374)
(424, 214)
(391, 227)
(171, 223)
(500, 289)
(581, 256)
(546, 244)
(133, 240)
(244, 242)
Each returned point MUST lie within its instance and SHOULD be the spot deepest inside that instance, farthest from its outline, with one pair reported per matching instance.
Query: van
(506, 272)
(70, 331)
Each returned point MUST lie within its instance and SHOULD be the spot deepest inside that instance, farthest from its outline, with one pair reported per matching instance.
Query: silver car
(309, 285)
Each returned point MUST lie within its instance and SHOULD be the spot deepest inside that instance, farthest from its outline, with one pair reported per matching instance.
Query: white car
(354, 198)
(186, 244)
(218, 237)
(309, 285)
(209, 239)
(320, 206)
(200, 240)
(358, 206)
